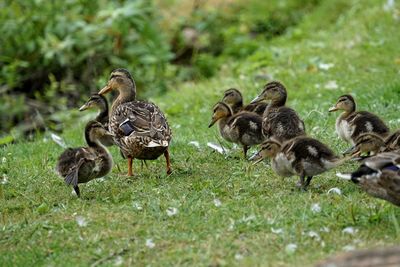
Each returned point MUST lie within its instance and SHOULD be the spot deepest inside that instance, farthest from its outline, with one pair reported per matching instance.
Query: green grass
(38, 213)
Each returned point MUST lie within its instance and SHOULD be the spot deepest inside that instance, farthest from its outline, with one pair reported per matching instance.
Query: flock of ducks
(281, 134)
(141, 131)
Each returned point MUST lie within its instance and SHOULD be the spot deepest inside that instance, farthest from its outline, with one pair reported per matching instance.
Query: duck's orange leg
(130, 167)
(166, 155)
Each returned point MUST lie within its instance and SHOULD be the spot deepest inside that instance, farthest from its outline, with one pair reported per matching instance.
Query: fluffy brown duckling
(379, 176)
(233, 97)
(100, 102)
(140, 128)
(243, 128)
(83, 164)
(302, 156)
(351, 123)
(372, 144)
(279, 122)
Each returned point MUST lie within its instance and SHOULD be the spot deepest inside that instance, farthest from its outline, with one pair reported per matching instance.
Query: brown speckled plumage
(379, 176)
(243, 128)
(148, 135)
(279, 122)
(351, 123)
(302, 156)
(83, 164)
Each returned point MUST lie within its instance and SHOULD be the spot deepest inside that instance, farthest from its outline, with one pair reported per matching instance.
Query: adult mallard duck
(379, 176)
(243, 128)
(83, 164)
(351, 123)
(279, 122)
(302, 156)
(140, 129)
(372, 144)
(100, 102)
(233, 97)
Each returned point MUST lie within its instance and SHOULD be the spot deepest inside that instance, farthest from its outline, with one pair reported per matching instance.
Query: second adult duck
(140, 129)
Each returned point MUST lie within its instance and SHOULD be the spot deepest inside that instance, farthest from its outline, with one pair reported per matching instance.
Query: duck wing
(365, 122)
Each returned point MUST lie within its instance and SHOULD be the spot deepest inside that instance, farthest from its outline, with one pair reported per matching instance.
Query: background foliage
(55, 53)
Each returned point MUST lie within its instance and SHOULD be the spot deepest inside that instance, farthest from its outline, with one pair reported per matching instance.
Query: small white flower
(315, 208)
(217, 202)
(150, 243)
(314, 235)
(290, 248)
(171, 211)
(349, 230)
(137, 206)
(331, 85)
(81, 221)
(231, 224)
(118, 261)
(195, 143)
(238, 256)
(335, 190)
(4, 180)
(277, 231)
(325, 66)
(3, 160)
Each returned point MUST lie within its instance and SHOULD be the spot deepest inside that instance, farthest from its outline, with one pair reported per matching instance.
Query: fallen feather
(150, 243)
(277, 231)
(331, 85)
(290, 248)
(194, 143)
(252, 217)
(324, 229)
(335, 190)
(58, 140)
(389, 5)
(344, 176)
(349, 230)
(81, 221)
(171, 211)
(217, 148)
(315, 208)
(217, 202)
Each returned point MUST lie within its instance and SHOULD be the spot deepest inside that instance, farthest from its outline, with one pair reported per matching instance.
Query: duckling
(140, 129)
(243, 128)
(279, 122)
(351, 123)
(302, 156)
(233, 97)
(100, 102)
(373, 144)
(83, 164)
(379, 176)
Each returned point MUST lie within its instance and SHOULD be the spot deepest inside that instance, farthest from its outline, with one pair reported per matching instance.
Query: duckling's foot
(77, 191)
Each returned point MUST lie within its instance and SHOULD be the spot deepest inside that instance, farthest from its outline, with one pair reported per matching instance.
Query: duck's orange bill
(105, 90)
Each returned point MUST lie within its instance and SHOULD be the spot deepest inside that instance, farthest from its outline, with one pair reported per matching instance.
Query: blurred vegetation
(55, 53)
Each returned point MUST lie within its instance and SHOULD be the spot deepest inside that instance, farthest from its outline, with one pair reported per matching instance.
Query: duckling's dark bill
(84, 107)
